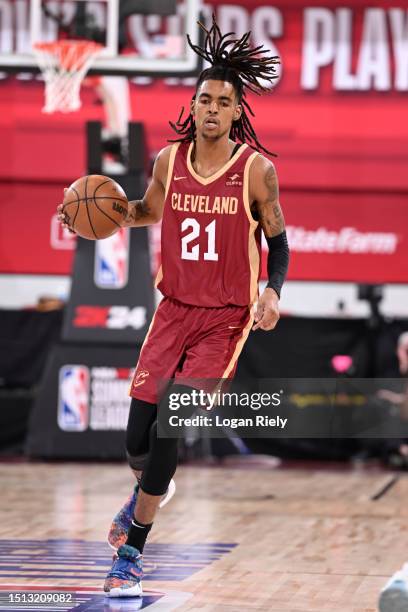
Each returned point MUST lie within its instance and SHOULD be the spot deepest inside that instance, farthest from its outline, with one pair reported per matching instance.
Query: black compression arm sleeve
(278, 261)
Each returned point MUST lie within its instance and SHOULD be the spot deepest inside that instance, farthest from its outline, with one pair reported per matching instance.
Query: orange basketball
(95, 206)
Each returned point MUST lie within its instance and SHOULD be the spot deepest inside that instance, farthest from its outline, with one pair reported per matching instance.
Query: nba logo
(73, 398)
(112, 261)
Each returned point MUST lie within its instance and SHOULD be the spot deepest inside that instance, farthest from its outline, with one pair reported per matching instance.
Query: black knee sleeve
(161, 463)
(141, 417)
(136, 462)
(155, 457)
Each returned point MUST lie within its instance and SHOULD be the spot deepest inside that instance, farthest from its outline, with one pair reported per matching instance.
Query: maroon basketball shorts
(189, 342)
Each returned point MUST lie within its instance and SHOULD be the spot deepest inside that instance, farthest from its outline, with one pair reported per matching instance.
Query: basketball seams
(87, 209)
(100, 216)
(108, 197)
(100, 185)
(96, 198)
(77, 208)
(77, 202)
(106, 214)
(108, 180)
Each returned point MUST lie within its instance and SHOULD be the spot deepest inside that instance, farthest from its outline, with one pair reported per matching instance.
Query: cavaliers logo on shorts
(140, 378)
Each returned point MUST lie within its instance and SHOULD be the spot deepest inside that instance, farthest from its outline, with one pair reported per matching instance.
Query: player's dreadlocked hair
(234, 61)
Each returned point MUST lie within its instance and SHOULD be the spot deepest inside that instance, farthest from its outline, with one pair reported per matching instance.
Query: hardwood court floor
(307, 540)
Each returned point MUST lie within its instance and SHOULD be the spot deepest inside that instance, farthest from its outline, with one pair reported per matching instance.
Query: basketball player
(214, 195)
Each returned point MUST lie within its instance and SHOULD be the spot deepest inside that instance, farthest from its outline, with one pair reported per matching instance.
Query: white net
(64, 64)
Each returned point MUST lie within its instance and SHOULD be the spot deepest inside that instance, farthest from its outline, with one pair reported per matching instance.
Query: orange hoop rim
(67, 43)
(69, 52)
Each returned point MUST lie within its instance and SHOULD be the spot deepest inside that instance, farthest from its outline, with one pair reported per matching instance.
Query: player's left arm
(264, 196)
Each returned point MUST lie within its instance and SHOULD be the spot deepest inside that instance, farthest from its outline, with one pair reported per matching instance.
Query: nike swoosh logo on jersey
(178, 178)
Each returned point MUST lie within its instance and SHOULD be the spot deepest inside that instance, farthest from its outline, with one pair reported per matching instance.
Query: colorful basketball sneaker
(125, 577)
(118, 531)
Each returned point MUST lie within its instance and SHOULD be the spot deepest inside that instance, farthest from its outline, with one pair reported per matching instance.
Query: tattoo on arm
(269, 210)
(138, 209)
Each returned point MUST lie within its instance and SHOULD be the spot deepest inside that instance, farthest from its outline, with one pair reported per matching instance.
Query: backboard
(135, 43)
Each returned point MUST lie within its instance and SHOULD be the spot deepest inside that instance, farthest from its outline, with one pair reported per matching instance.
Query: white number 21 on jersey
(194, 252)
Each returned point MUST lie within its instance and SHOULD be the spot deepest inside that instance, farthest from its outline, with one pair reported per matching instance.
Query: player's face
(215, 108)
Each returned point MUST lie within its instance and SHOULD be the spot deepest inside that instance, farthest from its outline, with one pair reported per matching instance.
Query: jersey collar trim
(220, 172)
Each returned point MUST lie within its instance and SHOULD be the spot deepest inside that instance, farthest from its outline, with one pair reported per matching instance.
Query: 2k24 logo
(110, 317)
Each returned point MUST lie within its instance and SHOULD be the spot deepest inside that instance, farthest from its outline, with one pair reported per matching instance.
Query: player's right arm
(149, 209)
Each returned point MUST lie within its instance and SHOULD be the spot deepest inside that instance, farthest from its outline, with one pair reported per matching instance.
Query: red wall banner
(347, 237)
(336, 118)
(332, 236)
(31, 239)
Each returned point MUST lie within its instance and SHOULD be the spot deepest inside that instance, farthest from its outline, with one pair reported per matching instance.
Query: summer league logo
(95, 398)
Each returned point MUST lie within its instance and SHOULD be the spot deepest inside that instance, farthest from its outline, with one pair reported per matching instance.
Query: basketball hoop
(64, 64)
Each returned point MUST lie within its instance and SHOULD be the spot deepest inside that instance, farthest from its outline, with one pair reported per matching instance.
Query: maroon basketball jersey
(210, 244)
